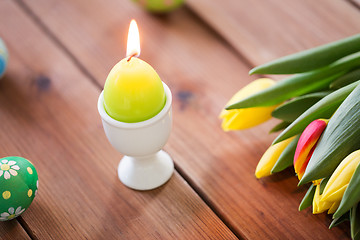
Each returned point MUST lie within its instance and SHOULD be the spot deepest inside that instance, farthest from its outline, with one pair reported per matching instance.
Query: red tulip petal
(307, 144)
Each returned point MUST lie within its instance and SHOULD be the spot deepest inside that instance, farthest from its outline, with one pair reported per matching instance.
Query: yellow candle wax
(133, 91)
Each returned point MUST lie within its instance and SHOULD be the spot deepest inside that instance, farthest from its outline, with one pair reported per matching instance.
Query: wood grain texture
(49, 115)
(12, 230)
(202, 73)
(264, 30)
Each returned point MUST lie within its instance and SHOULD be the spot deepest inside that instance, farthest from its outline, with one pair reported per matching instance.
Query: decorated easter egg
(3, 57)
(160, 6)
(18, 186)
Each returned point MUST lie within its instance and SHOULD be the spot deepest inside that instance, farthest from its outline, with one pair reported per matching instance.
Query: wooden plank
(49, 115)
(202, 73)
(12, 230)
(264, 30)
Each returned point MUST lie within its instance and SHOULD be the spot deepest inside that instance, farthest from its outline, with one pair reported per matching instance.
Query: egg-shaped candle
(133, 91)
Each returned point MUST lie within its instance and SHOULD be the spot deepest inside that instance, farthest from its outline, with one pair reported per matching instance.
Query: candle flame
(133, 42)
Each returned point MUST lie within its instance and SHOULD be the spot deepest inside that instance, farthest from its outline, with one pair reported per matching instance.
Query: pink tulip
(306, 145)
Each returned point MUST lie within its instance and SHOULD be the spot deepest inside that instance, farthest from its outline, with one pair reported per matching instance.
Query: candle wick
(133, 55)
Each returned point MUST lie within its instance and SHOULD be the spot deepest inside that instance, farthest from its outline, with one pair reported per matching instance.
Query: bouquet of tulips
(319, 109)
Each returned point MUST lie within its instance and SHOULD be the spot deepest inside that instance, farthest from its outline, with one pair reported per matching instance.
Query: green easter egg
(18, 186)
(160, 6)
(3, 57)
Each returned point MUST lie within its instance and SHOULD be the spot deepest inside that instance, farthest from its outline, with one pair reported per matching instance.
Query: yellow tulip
(238, 119)
(340, 179)
(270, 157)
(320, 206)
(336, 186)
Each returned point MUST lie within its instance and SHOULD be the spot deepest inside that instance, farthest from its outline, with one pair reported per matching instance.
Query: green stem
(311, 59)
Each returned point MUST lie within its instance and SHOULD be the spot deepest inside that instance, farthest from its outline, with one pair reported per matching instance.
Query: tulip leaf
(291, 110)
(322, 109)
(346, 79)
(299, 84)
(308, 198)
(323, 184)
(286, 158)
(310, 59)
(341, 219)
(351, 195)
(340, 138)
(357, 236)
(280, 126)
(355, 221)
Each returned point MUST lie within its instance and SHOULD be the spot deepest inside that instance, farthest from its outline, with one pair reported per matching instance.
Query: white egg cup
(145, 166)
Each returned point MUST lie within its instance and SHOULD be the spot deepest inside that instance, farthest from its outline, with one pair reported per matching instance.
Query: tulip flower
(320, 206)
(307, 144)
(340, 179)
(351, 195)
(270, 157)
(238, 119)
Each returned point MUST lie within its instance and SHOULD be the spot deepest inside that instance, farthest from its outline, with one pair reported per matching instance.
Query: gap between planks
(354, 3)
(26, 228)
(57, 41)
(221, 38)
(24, 7)
(241, 56)
(208, 202)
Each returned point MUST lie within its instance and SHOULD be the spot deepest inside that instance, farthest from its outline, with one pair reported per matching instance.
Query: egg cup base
(146, 173)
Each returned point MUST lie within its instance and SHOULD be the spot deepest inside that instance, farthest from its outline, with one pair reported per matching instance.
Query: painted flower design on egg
(12, 213)
(8, 168)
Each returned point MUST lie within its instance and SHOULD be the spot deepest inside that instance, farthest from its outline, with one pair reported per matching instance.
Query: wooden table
(60, 55)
